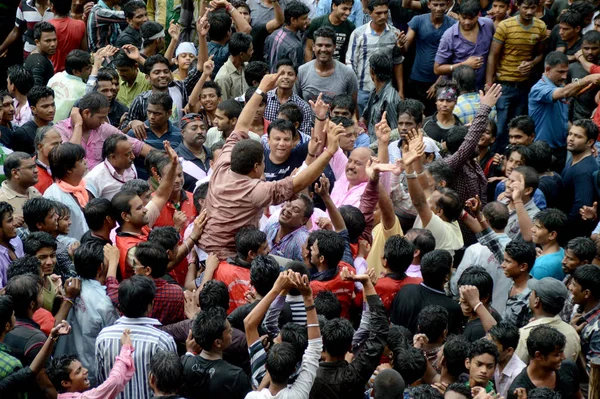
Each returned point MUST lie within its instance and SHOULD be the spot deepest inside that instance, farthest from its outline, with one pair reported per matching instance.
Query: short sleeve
(414, 23)
(311, 29)
(500, 35)
(542, 93)
(352, 81)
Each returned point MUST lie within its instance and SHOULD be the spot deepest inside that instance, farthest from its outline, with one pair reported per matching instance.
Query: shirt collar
(10, 193)
(187, 155)
(513, 366)
(548, 81)
(113, 171)
(371, 32)
(138, 321)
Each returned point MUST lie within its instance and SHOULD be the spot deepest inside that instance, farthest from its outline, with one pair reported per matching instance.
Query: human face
(481, 368)
(467, 23)
(128, 74)
(499, 10)
(553, 361)
(518, 137)
(323, 49)
(245, 13)
(222, 122)
(379, 15)
(486, 139)
(280, 144)
(79, 170)
(567, 32)
(445, 107)
(527, 12)
(539, 234)
(227, 335)
(85, 72)
(50, 224)
(184, 60)
(292, 214)
(123, 156)
(209, 99)
(248, 54)
(51, 140)
(47, 43)
(106, 88)
(160, 76)
(260, 112)
(514, 161)
(9, 227)
(179, 178)
(590, 51)
(64, 223)
(137, 215)
(577, 140)
(157, 116)
(27, 173)
(406, 123)
(78, 376)
(194, 134)
(45, 109)
(580, 295)
(8, 109)
(342, 12)
(47, 258)
(570, 262)
(93, 121)
(557, 74)
(597, 24)
(315, 256)
(356, 168)
(287, 78)
(510, 266)
(301, 23)
(466, 309)
(146, 197)
(505, 354)
(139, 17)
(345, 112)
(348, 138)
(438, 8)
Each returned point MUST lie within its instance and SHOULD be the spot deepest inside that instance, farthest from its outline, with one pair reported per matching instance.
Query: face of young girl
(64, 223)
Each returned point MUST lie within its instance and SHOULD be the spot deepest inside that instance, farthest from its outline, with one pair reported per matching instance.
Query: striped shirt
(104, 26)
(27, 16)
(519, 45)
(364, 42)
(283, 43)
(145, 338)
(273, 107)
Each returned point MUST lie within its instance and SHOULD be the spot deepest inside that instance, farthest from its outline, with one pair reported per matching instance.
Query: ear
(523, 267)
(467, 363)
(66, 384)
(86, 112)
(417, 253)
(443, 183)
(553, 235)
(125, 216)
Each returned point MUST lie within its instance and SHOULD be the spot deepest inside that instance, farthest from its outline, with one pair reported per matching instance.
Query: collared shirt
(386, 100)
(572, 347)
(513, 230)
(517, 309)
(551, 116)
(467, 107)
(342, 193)
(356, 14)
(104, 181)
(590, 336)
(273, 106)
(24, 115)
(364, 42)
(25, 340)
(91, 312)
(8, 363)
(290, 245)
(67, 89)
(104, 26)
(194, 168)
(172, 135)
(146, 338)
(93, 145)
(128, 93)
(505, 378)
(27, 16)
(5, 259)
(231, 81)
(283, 43)
(15, 199)
(44, 176)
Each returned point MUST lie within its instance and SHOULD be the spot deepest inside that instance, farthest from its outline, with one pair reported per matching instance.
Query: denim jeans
(513, 102)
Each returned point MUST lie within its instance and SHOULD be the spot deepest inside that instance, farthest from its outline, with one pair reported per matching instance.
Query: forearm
(308, 53)
(539, 58)
(399, 76)
(271, 320)
(386, 207)
(490, 72)
(248, 112)
(190, 277)
(525, 223)
(311, 318)
(63, 311)
(334, 214)
(487, 320)
(415, 190)
(206, 277)
(170, 52)
(163, 192)
(472, 223)
(194, 98)
(10, 39)
(382, 151)
(312, 172)
(241, 25)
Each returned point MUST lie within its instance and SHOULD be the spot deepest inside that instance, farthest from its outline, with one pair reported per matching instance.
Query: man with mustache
(196, 156)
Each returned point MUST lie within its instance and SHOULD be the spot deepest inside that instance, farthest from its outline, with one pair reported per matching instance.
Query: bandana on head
(447, 93)
(188, 118)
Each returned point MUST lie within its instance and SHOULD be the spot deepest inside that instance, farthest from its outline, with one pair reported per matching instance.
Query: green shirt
(128, 93)
(342, 35)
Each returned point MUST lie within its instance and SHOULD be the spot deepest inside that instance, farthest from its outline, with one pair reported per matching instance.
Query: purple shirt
(454, 48)
(290, 245)
(5, 258)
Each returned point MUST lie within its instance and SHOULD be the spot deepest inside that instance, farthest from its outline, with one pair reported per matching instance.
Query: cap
(550, 291)
(186, 47)
(187, 118)
(431, 147)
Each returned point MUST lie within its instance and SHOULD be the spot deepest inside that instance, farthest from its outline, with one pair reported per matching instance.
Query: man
(19, 82)
(196, 156)
(337, 19)
(584, 104)
(281, 156)
(43, 108)
(39, 62)
(87, 127)
(99, 218)
(226, 117)
(132, 81)
(284, 42)
(511, 61)
(6, 118)
(481, 363)
(104, 24)
(136, 297)
(69, 85)
(27, 15)
(466, 43)
(578, 252)
(158, 124)
(284, 94)
(71, 32)
(521, 131)
(547, 299)
(107, 84)
(570, 25)
(506, 337)
(21, 175)
(367, 40)
(11, 246)
(549, 112)
(107, 178)
(135, 15)
(46, 138)
(547, 232)
(231, 76)
(287, 235)
(234, 199)
(467, 103)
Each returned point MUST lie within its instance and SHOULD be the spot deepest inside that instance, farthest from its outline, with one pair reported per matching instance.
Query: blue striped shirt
(145, 338)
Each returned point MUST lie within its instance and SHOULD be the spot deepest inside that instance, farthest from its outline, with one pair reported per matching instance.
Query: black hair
(6, 310)
(58, 371)
(556, 58)
(521, 252)
(239, 43)
(153, 256)
(107, 74)
(469, 9)
(455, 351)
(375, 3)
(497, 214)
(527, 2)
(283, 125)
(208, 326)
(167, 370)
(435, 267)
(585, 8)
(296, 335)
(424, 240)
(120, 202)
(294, 9)
(5, 93)
(425, 391)
(343, 101)
(399, 253)
(530, 176)
(38, 240)
(592, 36)
(331, 246)
(591, 130)
(328, 33)
(340, 2)
(138, 186)
(77, 60)
(13, 161)
(214, 85)
(62, 7)
(110, 144)
(246, 154)
(346, 122)
(399, 337)
(214, 294)
(483, 346)
(248, 239)
(292, 112)
(88, 258)
(165, 236)
(460, 387)
(523, 123)
(552, 219)
(297, 267)
(337, 336)
(22, 78)
(543, 393)
(93, 102)
(539, 155)
(572, 18)
(544, 339)
(440, 171)
(64, 157)
(286, 62)
(27, 264)
(382, 66)
(493, 127)
(250, 92)
(230, 108)
(154, 59)
(121, 60)
(62, 210)
(354, 220)
(588, 277)
(148, 30)
(281, 362)
(450, 203)
(136, 294)
(156, 159)
(37, 93)
(220, 25)
(480, 278)
(254, 70)
(328, 305)
(411, 364)
(199, 194)
(433, 321)
(464, 75)
(456, 136)
(414, 109)
(240, 3)
(506, 334)
(162, 99)
(263, 274)
(23, 290)
(43, 26)
(35, 211)
(583, 247)
(131, 7)
(388, 383)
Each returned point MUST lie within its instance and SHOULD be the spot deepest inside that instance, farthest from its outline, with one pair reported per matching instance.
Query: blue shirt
(539, 199)
(551, 116)
(173, 135)
(549, 266)
(427, 39)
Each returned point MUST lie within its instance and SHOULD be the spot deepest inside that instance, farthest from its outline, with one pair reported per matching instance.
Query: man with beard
(38, 61)
(287, 235)
(584, 104)
(196, 156)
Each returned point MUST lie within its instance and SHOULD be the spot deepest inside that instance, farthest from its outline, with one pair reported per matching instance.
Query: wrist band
(320, 119)
(69, 300)
(311, 155)
(330, 154)
(308, 308)
(412, 175)
(476, 306)
(312, 325)
(259, 92)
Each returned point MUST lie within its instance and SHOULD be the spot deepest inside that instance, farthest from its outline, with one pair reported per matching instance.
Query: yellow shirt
(519, 45)
(128, 93)
(380, 236)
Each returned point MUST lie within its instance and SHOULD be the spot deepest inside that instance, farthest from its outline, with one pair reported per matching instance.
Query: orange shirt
(237, 280)
(124, 242)
(387, 288)
(44, 178)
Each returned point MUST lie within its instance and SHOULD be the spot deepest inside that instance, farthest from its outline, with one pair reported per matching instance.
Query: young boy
(499, 11)
(471, 305)
(571, 24)
(506, 337)
(578, 252)
(64, 223)
(546, 232)
(481, 364)
(519, 257)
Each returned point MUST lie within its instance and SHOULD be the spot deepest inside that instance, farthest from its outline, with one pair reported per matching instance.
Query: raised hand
(209, 66)
(111, 254)
(199, 224)
(285, 281)
(382, 129)
(126, 337)
(174, 31)
(420, 340)
(76, 118)
(302, 284)
(473, 205)
(322, 187)
(347, 275)
(364, 248)
(324, 223)
(413, 147)
(491, 97)
(190, 305)
(191, 345)
(62, 328)
(333, 137)
(518, 187)
(470, 294)
(589, 212)
(202, 25)
(269, 82)
(171, 153)
(319, 107)
(212, 262)
(179, 219)
(131, 51)
(72, 288)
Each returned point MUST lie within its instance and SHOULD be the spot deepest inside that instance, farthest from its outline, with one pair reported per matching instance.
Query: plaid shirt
(467, 107)
(273, 106)
(8, 363)
(590, 335)
(104, 26)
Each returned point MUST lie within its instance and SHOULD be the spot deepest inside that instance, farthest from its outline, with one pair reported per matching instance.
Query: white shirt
(103, 181)
(79, 225)
(447, 235)
(505, 378)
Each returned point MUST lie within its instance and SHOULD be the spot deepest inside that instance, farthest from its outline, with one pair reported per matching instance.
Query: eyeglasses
(30, 167)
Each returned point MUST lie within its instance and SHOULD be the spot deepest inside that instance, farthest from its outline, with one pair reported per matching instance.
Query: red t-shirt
(387, 288)
(237, 280)
(69, 32)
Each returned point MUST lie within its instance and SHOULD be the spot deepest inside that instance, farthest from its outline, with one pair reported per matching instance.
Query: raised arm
(194, 98)
(163, 192)
(278, 19)
(412, 151)
(322, 190)
(174, 32)
(241, 25)
(268, 83)
(525, 223)
(202, 27)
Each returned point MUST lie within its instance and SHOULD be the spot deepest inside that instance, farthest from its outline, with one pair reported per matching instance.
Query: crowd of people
(299, 199)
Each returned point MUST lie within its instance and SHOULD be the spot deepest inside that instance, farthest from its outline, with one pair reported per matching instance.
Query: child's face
(64, 223)
(184, 60)
(579, 294)
(539, 234)
(510, 266)
(481, 368)
(498, 11)
(47, 258)
(209, 99)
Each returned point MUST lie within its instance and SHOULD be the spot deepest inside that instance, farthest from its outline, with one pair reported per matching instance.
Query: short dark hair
(450, 203)
(153, 256)
(58, 371)
(23, 290)
(527, 2)
(6, 309)
(131, 7)
(572, 18)
(248, 239)
(22, 78)
(286, 62)
(455, 351)
(246, 154)
(165, 236)
(530, 176)
(588, 277)
(544, 339)
(154, 59)
(460, 387)
(200, 193)
(591, 36)
(77, 60)
(27, 264)
(552, 219)
(208, 326)
(424, 240)
(283, 125)
(240, 3)
(38, 240)
(469, 9)
(539, 156)
(585, 8)
(388, 383)
(138, 186)
(483, 346)
(254, 70)
(343, 101)
(523, 123)
(264, 271)
(231, 108)
(556, 58)
(412, 109)
(62, 7)
(292, 112)
(13, 161)
(399, 253)
(433, 321)
(250, 92)
(590, 127)
(506, 334)
(346, 122)
(337, 336)
(543, 393)
(110, 144)
(93, 102)
(480, 278)
(296, 335)
(107, 74)
(435, 267)
(121, 60)
(35, 211)
(88, 258)
(43, 26)
(382, 66)
(464, 75)
(583, 247)
(294, 9)
(135, 295)
(328, 305)
(63, 158)
(440, 171)
(331, 246)
(148, 30)
(340, 2)
(375, 3)
(220, 25)
(162, 99)
(167, 370)
(328, 33)
(37, 93)
(211, 84)
(497, 214)
(411, 364)
(455, 137)
(354, 220)
(239, 43)
(522, 251)
(120, 202)
(214, 294)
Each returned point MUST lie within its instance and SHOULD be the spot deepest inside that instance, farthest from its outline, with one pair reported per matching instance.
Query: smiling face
(438, 8)
(287, 78)
(209, 99)
(323, 49)
(280, 145)
(518, 137)
(580, 296)
(137, 214)
(292, 214)
(78, 378)
(341, 12)
(47, 258)
(139, 17)
(159, 76)
(553, 361)
(9, 227)
(540, 235)
(64, 223)
(514, 160)
(356, 168)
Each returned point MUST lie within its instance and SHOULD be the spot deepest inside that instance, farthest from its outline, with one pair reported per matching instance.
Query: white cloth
(79, 225)
(505, 378)
(214, 135)
(447, 235)
(103, 181)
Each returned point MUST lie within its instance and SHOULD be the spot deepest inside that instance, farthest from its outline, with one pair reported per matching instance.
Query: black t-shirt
(342, 34)
(552, 187)
(41, 68)
(274, 172)
(567, 384)
(259, 35)
(474, 329)
(24, 136)
(88, 237)
(215, 379)
(583, 105)
(435, 131)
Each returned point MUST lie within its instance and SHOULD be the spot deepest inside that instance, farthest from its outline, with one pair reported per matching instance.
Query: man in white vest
(196, 156)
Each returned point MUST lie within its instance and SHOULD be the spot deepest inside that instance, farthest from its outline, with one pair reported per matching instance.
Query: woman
(68, 165)
(46, 139)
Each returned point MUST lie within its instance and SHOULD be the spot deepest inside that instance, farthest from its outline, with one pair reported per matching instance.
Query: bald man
(351, 176)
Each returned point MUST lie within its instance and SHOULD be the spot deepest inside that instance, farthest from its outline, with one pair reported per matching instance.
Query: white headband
(157, 36)
(186, 47)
